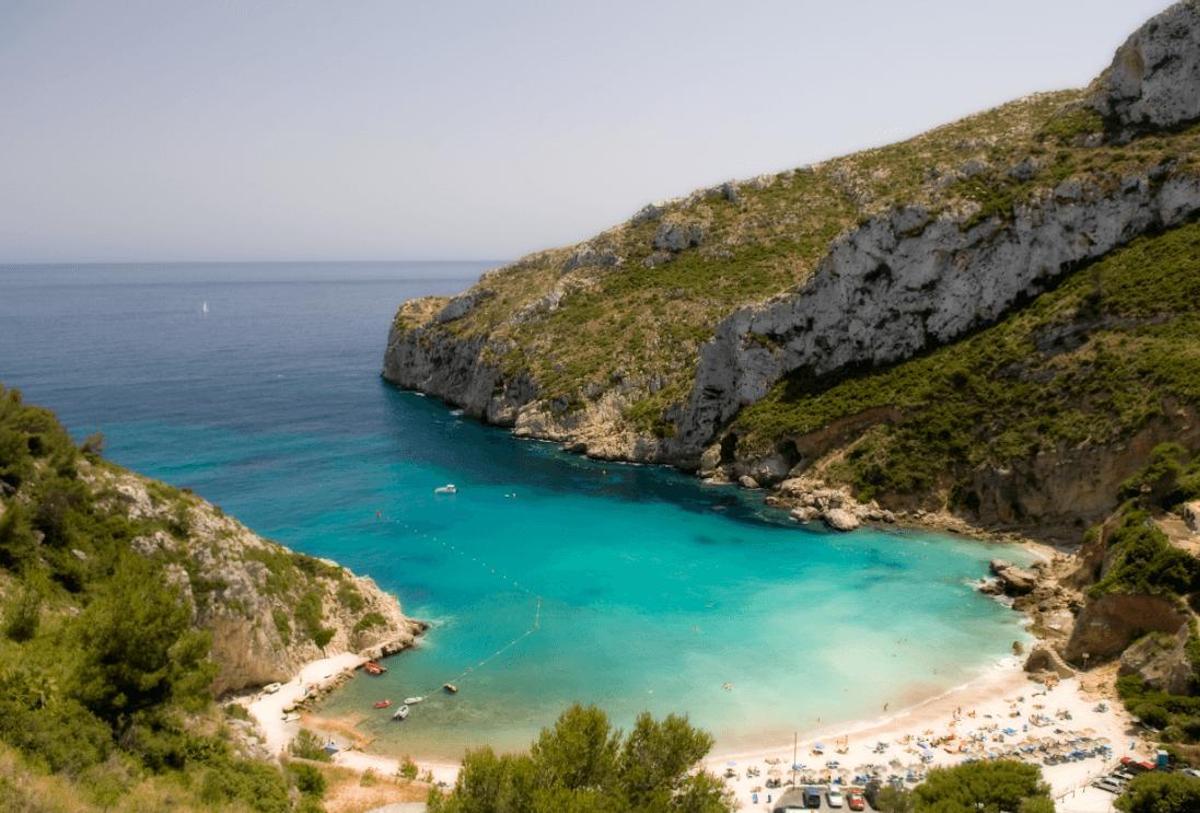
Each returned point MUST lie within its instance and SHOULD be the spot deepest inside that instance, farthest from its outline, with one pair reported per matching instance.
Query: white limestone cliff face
(908, 281)
(903, 281)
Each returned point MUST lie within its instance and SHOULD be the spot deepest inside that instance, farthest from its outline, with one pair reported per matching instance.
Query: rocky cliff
(269, 610)
(701, 331)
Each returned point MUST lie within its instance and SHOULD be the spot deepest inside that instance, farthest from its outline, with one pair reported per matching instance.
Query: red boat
(374, 668)
(382, 704)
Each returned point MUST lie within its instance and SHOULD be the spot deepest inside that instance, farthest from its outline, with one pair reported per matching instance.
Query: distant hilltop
(967, 321)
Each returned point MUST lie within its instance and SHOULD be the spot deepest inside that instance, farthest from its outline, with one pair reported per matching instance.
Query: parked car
(812, 797)
(855, 800)
(1107, 784)
(835, 797)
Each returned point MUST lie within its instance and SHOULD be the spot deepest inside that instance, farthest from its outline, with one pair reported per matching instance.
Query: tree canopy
(1001, 785)
(1161, 793)
(583, 765)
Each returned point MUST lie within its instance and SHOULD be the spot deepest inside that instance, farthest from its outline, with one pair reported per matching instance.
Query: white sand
(1005, 694)
(1002, 698)
(267, 709)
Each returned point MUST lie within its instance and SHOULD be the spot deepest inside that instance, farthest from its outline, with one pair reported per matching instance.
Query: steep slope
(1036, 420)
(72, 516)
(126, 607)
(646, 342)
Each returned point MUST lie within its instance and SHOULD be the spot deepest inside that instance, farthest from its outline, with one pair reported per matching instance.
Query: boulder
(805, 513)
(589, 255)
(1154, 79)
(770, 469)
(746, 481)
(839, 519)
(1044, 659)
(710, 459)
(651, 211)
(1191, 515)
(676, 236)
(1016, 581)
(1107, 625)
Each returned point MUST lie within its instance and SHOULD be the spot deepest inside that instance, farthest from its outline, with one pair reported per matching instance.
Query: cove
(656, 592)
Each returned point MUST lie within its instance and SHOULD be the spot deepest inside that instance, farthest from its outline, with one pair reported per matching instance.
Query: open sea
(644, 589)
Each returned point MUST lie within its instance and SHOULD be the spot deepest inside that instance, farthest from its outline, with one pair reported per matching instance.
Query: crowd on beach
(1072, 734)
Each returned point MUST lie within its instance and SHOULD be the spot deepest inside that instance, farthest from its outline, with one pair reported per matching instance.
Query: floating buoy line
(451, 686)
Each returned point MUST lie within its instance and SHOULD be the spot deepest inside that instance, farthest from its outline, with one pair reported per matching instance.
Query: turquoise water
(655, 591)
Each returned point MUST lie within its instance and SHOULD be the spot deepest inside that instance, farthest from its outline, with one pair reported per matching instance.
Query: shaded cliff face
(269, 610)
(650, 341)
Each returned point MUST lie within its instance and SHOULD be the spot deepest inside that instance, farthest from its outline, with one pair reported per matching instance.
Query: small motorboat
(382, 704)
(450, 688)
(449, 488)
(412, 701)
(374, 668)
(401, 713)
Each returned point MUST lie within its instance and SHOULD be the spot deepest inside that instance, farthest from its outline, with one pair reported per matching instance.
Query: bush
(52, 730)
(307, 745)
(258, 785)
(583, 764)
(309, 780)
(1144, 561)
(408, 769)
(1161, 793)
(997, 785)
(371, 619)
(22, 616)
(137, 647)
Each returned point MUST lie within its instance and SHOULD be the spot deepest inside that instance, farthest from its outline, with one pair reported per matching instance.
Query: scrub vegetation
(1090, 362)
(618, 311)
(105, 682)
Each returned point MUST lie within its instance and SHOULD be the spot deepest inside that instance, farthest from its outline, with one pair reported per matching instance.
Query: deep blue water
(655, 590)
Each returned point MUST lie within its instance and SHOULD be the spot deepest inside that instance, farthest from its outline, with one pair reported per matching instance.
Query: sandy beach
(268, 710)
(1002, 713)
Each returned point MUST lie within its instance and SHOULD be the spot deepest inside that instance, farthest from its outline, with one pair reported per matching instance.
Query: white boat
(401, 713)
(204, 307)
(449, 488)
(412, 701)
(271, 688)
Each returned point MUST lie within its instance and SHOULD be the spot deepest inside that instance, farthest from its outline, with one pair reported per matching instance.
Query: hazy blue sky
(412, 130)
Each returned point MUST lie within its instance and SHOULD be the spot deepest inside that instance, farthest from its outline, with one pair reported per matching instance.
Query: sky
(164, 130)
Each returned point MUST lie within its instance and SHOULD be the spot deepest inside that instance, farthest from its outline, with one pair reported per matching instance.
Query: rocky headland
(991, 328)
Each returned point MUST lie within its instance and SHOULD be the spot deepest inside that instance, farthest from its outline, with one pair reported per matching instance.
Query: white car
(835, 797)
(271, 688)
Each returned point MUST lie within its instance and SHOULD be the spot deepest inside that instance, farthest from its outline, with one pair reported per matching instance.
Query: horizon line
(14, 263)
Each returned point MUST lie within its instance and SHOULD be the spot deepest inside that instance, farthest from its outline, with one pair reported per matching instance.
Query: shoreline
(976, 712)
(1002, 696)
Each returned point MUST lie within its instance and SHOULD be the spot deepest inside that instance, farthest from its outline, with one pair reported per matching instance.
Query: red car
(855, 800)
